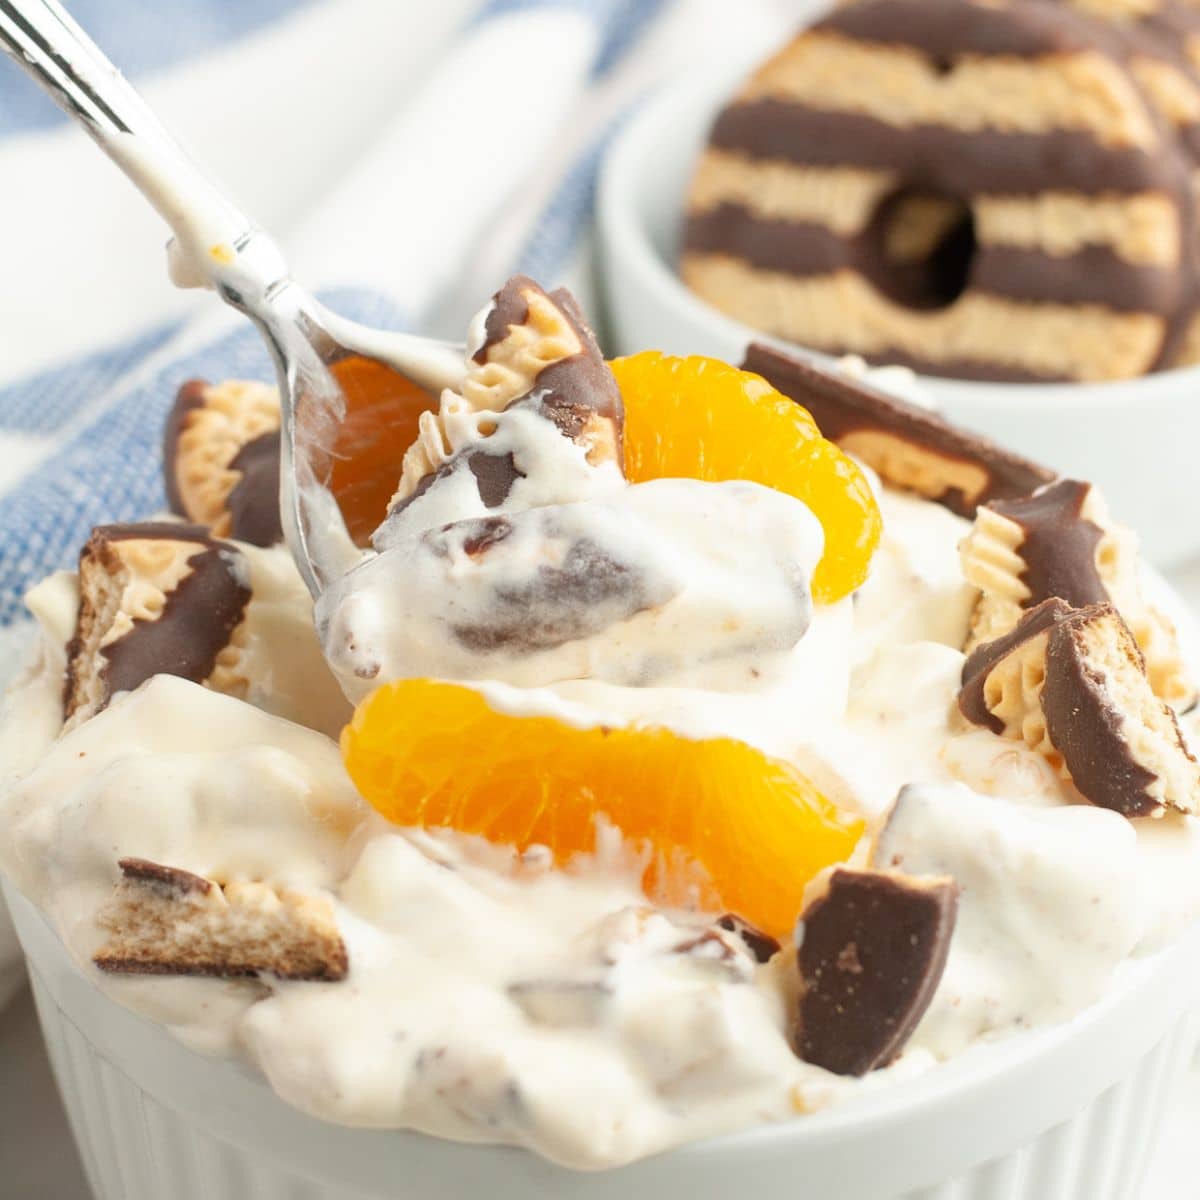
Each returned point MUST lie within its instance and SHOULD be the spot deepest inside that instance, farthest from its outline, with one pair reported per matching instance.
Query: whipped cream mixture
(668, 582)
(495, 998)
(517, 554)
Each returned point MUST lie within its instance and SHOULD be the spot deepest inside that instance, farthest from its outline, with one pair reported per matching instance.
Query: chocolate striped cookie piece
(907, 446)
(1071, 684)
(536, 354)
(1061, 542)
(1162, 38)
(221, 459)
(162, 920)
(156, 598)
(976, 190)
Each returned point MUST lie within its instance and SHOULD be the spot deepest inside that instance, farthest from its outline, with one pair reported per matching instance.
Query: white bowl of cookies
(993, 198)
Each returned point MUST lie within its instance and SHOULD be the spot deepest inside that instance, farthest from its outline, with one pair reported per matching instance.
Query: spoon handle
(43, 38)
(211, 233)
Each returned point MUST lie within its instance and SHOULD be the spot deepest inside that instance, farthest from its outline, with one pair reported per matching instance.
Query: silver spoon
(216, 245)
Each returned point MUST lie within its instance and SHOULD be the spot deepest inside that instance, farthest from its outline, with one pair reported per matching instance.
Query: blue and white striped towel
(409, 156)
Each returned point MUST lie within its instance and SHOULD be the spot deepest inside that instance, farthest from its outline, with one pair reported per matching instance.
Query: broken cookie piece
(1061, 542)
(166, 921)
(154, 598)
(539, 350)
(221, 459)
(572, 587)
(1071, 684)
(761, 945)
(872, 949)
(909, 447)
(536, 354)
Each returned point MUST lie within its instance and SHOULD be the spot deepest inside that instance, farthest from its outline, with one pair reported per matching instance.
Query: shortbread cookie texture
(154, 598)
(989, 191)
(165, 921)
(1071, 684)
(872, 949)
(539, 350)
(1062, 542)
(909, 447)
(537, 354)
(221, 459)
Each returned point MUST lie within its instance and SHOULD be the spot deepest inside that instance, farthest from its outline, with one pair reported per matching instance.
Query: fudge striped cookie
(221, 459)
(975, 190)
(163, 920)
(1071, 684)
(1060, 542)
(154, 598)
(536, 358)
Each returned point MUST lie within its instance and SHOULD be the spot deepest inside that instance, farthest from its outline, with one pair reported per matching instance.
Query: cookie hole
(920, 248)
(941, 66)
(486, 427)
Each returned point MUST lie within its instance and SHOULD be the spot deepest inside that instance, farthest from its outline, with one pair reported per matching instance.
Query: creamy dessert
(729, 744)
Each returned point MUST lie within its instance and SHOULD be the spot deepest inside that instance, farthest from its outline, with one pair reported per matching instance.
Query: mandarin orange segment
(382, 411)
(703, 419)
(728, 826)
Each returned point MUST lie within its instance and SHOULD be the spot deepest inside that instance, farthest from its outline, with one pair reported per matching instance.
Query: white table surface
(38, 1160)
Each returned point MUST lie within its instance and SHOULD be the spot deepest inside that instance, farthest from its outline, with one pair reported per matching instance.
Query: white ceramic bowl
(14, 647)
(12, 969)
(1069, 1112)
(1138, 439)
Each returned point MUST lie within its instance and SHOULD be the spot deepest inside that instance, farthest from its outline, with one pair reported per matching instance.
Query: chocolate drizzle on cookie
(1086, 725)
(221, 456)
(509, 308)
(761, 945)
(1072, 684)
(908, 446)
(584, 589)
(575, 390)
(952, 160)
(572, 393)
(254, 501)
(194, 622)
(972, 702)
(200, 615)
(1092, 275)
(1058, 545)
(947, 31)
(537, 354)
(495, 475)
(189, 398)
